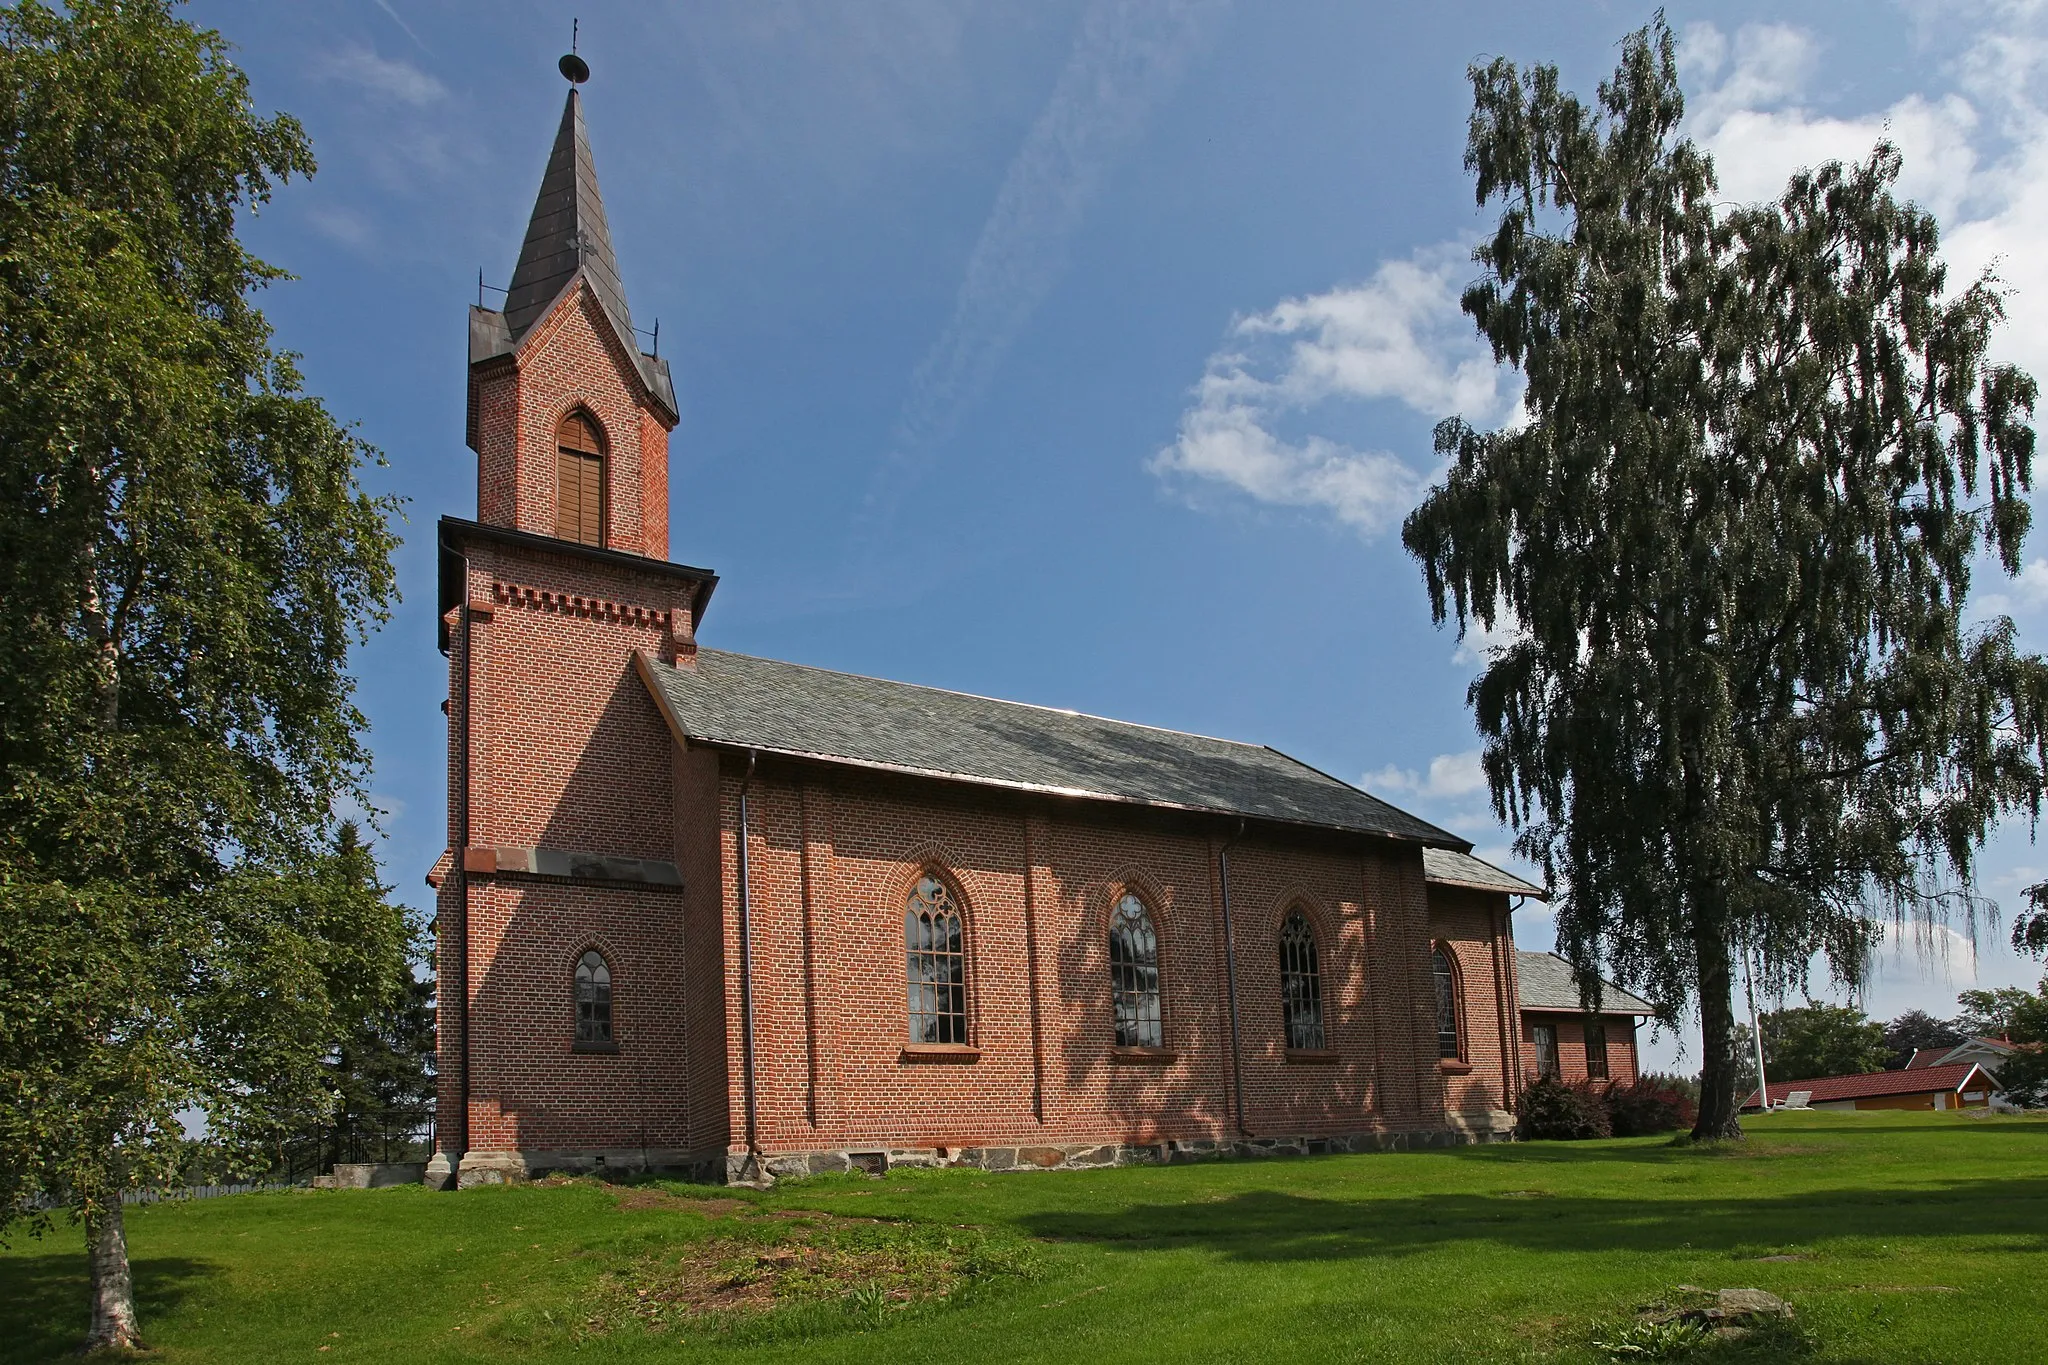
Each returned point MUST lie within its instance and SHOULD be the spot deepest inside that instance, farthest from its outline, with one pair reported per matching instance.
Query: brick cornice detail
(597, 608)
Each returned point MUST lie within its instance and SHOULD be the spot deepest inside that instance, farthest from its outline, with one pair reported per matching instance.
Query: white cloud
(386, 77)
(1478, 645)
(341, 224)
(1975, 155)
(1397, 336)
(1449, 776)
(2017, 597)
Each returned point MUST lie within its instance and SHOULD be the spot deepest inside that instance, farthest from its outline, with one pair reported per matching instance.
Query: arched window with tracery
(579, 480)
(936, 953)
(1301, 985)
(1134, 974)
(1445, 974)
(593, 1001)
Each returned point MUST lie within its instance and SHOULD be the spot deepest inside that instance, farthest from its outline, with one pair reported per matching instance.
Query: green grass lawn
(1907, 1238)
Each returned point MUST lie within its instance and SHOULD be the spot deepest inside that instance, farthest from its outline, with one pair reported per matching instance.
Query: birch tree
(1764, 454)
(186, 559)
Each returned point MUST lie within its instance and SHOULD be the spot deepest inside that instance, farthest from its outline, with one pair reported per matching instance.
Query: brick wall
(570, 359)
(831, 860)
(1571, 1045)
(1472, 927)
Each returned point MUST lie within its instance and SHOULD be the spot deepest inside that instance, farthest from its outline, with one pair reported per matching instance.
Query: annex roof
(1872, 1084)
(1448, 867)
(1545, 982)
(738, 701)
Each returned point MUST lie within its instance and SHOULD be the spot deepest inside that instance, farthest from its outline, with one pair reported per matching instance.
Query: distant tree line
(1813, 1040)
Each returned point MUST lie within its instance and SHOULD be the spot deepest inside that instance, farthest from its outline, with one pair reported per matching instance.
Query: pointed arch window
(1448, 1043)
(1301, 985)
(593, 1001)
(1134, 975)
(936, 954)
(579, 480)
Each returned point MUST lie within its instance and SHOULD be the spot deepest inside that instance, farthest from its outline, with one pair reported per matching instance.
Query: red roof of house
(1930, 1056)
(1920, 1080)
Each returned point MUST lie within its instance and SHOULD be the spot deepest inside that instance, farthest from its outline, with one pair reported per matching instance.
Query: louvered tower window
(579, 486)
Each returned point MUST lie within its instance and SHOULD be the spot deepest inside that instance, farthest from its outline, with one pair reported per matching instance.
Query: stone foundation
(371, 1175)
(747, 1168)
(470, 1169)
(512, 1167)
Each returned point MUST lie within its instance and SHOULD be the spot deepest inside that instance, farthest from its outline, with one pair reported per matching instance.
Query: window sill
(940, 1052)
(1451, 1066)
(1144, 1056)
(598, 1049)
(1312, 1056)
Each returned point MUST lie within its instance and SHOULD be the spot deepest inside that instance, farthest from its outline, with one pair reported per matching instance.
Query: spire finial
(571, 65)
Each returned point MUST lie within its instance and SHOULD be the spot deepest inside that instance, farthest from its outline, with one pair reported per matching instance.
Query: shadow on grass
(43, 1311)
(1271, 1225)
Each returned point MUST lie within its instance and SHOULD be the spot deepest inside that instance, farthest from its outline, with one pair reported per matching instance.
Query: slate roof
(1448, 867)
(783, 708)
(567, 233)
(568, 230)
(1869, 1085)
(1545, 982)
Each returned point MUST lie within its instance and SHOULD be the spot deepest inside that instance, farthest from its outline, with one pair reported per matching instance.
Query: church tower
(569, 418)
(561, 882)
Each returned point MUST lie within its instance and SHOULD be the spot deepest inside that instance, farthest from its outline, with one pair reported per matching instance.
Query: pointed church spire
(567, 231)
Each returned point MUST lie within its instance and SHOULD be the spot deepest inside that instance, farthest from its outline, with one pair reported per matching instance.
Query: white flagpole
(1756, 1032)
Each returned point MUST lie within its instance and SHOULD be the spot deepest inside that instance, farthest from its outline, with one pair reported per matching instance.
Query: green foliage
(1653, 1340)
(1764, 450)
(1821, 1040)
(1742, 1067)
(2007, 1011)
(1914, 1030)
(2030, 928)
(1650, 1104)
(122, 1010)
(1553, 1109)
(187, 558)
(2024, 1077)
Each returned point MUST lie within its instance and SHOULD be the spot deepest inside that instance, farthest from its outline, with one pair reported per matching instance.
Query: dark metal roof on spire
(567, 233)
(568, 230)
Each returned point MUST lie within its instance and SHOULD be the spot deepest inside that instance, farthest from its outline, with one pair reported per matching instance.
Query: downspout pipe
(460, 867)
(1230, 980)
(1505, 985)
(747, 965)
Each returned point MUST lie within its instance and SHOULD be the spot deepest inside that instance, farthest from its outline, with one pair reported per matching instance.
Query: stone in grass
(1748, 1303)
(1731, 1313)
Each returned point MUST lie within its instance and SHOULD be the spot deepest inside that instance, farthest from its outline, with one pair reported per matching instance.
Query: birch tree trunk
(1720, 1105)
(113, 1287)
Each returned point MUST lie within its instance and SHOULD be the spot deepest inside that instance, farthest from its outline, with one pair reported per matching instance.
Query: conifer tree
(1764, 453)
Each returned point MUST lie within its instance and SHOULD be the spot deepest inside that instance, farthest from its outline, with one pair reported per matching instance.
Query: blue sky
(1082, 352)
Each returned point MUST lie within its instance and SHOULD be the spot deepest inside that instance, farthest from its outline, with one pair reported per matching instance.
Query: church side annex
(745, 919)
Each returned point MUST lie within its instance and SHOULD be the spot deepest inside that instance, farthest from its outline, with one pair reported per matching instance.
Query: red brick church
(746, 919)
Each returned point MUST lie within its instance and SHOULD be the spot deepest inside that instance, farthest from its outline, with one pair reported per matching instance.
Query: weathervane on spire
(571, 65)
